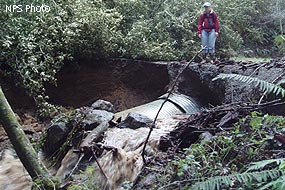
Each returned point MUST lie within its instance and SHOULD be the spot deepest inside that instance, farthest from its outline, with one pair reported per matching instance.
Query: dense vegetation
(248, 156)
(34, 46)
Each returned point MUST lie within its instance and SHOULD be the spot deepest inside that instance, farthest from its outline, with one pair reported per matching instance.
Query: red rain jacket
(208, 21)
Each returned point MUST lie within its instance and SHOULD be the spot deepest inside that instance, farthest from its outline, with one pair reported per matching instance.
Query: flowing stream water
(123, 164)
(126, 163)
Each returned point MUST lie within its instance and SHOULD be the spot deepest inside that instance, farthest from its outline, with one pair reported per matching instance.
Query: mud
(32, 127)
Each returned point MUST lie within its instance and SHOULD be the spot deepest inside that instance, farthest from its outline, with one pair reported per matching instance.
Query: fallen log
(93, 136)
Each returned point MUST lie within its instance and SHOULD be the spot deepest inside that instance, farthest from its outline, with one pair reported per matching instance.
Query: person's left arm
(217, 25)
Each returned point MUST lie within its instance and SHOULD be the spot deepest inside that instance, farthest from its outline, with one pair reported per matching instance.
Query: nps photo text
(29, 8)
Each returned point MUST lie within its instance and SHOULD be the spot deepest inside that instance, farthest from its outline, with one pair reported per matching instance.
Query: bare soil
(32, 127)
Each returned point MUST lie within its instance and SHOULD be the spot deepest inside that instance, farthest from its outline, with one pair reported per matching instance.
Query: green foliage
(220, 182)
(97, 30)
(231, 159)
(46, 183)
(161, 30)
(265, 86)
(278, 184)
(261, 164)
(280, 43)
(35, 46)
(251, 176)
(86, 180)
(71, 119)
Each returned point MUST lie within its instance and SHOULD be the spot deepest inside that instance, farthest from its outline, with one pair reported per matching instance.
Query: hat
(207, 4)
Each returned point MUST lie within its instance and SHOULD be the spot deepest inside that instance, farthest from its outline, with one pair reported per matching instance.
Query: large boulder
(56, 136)
(135, 121)
(93, 118)
(103, 105)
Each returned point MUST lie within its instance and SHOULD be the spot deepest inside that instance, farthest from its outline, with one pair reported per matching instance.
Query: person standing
(208, 31)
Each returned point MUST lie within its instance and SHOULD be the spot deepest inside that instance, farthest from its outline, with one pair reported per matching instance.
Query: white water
(127, 163)
(13, 175)
(124, 165)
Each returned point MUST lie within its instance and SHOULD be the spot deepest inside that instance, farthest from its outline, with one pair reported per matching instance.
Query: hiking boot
(212, 58)
(204, 58)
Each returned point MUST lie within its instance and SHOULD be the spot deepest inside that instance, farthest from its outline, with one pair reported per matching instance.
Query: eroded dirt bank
(130, 83)
(123, 83)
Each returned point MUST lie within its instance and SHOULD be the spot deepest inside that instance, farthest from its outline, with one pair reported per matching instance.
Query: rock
(68, 164)
(149, 180)
(56, 135)
(204, 137)
(103, 105)
(135, 121)
(94, 118)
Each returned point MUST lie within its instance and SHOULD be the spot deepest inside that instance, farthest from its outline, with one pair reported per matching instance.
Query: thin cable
(166, 99)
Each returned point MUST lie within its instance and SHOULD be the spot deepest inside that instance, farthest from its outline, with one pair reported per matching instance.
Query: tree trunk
(21, 143)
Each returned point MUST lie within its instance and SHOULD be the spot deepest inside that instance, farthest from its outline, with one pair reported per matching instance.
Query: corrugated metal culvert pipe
(176, 104)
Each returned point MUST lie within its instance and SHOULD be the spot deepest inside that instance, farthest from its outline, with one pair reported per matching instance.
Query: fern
(215, 183)
(265, 86)
(281, 82)
(261, 164)
(278, 184)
